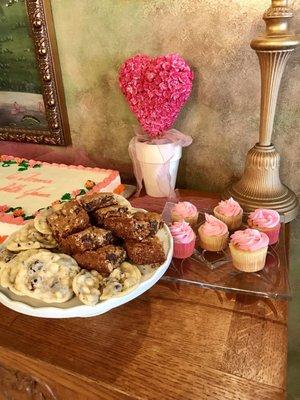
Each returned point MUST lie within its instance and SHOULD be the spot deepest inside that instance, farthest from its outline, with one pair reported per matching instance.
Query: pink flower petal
(156, 89)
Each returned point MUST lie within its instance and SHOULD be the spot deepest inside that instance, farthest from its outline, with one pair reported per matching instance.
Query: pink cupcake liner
(273, 234)
(183, 250)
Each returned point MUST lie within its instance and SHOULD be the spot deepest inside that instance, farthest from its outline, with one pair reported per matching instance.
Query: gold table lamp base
(260, 185)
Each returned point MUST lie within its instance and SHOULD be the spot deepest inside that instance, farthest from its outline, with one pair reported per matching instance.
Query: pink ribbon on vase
(164, 177)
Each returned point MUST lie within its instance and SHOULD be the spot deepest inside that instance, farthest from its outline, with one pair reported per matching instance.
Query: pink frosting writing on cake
(3, 208)
(213, 226)
(185, 209)
(182, 232)
(250, 239)
(229, 207)
(263, 218)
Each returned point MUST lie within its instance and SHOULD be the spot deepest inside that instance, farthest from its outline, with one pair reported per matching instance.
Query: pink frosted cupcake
(248, 249)
(184, 239)
(230, 212)
(267, 221)
(213, 234)
(185, 211)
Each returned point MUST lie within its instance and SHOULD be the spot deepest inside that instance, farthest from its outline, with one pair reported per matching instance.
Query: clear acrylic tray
(215, 270)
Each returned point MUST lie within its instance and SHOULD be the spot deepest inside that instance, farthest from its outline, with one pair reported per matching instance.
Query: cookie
(86, 286)
(122, 280)
(29, 238)
(5, 257)
(22, 239)
(47, 277)
(147, 270)
(9, 273)
(40, 222)
(46, 241)
(121, 201)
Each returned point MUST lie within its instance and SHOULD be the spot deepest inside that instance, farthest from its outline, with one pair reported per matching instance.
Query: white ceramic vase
(159, 166)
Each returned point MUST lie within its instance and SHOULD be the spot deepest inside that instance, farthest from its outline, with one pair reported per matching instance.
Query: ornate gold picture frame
(32, 102)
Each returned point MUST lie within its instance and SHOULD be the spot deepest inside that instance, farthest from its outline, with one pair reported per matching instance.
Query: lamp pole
(260, 185)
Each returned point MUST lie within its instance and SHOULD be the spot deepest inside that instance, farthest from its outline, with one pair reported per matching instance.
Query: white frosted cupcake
(249, 250)
(184, 211)
(230, 212)
(213, 234)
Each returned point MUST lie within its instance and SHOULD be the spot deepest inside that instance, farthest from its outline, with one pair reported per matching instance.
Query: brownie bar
(103, 260)
(101, 214)
(71, 218)
(89, 239)
(148, 251)
(136, 226)
(154, 220)
(93, 201)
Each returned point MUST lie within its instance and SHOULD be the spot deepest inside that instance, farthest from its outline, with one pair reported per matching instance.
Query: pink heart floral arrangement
(156, 90)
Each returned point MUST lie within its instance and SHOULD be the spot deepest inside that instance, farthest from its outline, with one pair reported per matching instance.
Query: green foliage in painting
(18, 70)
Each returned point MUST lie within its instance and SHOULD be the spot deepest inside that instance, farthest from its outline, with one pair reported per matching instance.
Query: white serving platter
(74, 308)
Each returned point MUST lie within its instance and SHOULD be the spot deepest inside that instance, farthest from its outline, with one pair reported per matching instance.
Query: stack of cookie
(80, 247)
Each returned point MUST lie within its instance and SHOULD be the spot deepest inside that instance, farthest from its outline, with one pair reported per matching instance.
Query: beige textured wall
(222, 115)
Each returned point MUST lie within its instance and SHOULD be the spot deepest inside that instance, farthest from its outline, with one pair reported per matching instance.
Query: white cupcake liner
(212, 243)
(248, 261)
(233, 222)
(192, 220)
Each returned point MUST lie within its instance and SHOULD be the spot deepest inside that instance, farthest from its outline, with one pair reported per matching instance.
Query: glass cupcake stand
(214, 270)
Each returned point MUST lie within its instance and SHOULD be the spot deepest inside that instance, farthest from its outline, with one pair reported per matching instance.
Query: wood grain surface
(173, 342)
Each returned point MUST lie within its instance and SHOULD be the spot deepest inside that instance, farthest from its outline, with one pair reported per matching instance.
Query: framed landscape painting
(32, 103)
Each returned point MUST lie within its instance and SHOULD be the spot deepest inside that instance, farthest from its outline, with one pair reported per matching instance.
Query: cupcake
(230, 212)
(184, 239)
(213, 234)
(186, 211)
(267, 221)
(248, 249)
